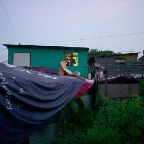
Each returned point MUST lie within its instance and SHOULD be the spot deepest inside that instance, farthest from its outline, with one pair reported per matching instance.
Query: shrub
(114, 122)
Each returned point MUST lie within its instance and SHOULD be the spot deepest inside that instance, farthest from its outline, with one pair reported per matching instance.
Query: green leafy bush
(114, 122)
(76, 117)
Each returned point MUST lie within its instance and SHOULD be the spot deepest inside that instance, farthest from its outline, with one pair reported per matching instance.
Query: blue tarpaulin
(29, 98)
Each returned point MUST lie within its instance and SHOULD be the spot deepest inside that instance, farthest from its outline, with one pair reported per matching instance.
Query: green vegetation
(114, 122)
(96, 52)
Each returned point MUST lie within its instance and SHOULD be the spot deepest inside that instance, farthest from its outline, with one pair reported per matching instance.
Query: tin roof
(141, 58)
(41, 46)
(125, 54)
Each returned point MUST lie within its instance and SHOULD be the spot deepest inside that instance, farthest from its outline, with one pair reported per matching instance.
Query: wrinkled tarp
(29, 98)
(43, 69)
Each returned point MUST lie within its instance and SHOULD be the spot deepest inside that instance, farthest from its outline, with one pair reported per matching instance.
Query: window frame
(75, 58)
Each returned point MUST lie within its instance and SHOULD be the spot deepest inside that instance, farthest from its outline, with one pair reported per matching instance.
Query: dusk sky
(79, 23)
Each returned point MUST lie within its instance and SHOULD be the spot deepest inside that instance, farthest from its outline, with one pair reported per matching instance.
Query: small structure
(141, 59)
(118, 80)
(127, 57)
(103, 60)
(49, 56)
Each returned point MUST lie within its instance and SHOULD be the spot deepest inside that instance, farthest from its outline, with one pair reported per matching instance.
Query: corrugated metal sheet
(47, 134)
(54, 129)
(87, 101)
(117, 91)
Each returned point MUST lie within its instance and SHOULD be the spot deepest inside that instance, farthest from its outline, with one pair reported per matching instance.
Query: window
(120, 60)
(71, 59)
(21, 59)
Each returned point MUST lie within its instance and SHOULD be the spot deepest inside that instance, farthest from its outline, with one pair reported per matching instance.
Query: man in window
(72, 60)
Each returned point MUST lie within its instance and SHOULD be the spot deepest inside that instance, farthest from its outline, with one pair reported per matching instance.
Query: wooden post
(105, 75)
(106, 82)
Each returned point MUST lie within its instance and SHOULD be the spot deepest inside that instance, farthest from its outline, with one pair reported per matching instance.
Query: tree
(95, 52)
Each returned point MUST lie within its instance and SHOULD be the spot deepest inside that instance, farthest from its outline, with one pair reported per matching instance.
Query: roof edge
(19, 45)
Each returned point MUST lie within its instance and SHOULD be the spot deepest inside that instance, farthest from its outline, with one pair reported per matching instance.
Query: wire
(101, 37)
(9, 20)
(74, 40)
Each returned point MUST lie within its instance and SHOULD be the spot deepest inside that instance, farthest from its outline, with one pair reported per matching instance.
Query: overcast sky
(82, 23)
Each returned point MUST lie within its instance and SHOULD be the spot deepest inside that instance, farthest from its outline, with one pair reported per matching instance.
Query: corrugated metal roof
(125, 54)
(141, 58)
(41, 46)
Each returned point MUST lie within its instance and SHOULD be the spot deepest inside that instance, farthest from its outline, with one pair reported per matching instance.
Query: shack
(127, 57)
(49, 56)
